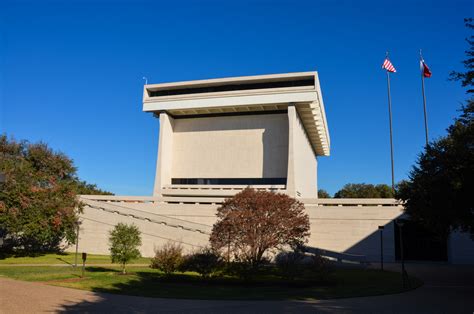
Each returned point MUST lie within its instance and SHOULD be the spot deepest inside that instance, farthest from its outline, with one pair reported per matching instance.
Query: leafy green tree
(439, 190)
(124, 241)
(467, 77)
(38, 204)
(438, 193)
(362, 190)
(323, 194)
(84, 188)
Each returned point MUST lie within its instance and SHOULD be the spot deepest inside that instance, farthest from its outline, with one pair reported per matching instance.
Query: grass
(143, 281)
(66, 258)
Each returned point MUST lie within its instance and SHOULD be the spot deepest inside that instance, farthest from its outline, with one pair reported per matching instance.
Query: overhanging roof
(246, 94)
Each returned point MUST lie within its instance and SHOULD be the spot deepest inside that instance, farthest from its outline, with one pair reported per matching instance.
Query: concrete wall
(460, 248)
(343, 229)
(96, 225)
(249, 146)
(302, 163)
(354, 229)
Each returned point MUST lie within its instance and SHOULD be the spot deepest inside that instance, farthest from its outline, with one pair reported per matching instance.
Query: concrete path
(447, 289)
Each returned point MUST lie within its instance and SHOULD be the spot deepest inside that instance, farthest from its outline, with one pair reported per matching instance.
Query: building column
(165, 154)
(302, 163)
(290, 177)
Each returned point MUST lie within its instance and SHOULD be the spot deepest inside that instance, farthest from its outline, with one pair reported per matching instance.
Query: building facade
(218, 137)
(260, 130)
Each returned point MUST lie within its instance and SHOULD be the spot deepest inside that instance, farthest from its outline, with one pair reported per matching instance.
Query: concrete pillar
(302, 163)
(165, 154)
(290, 177)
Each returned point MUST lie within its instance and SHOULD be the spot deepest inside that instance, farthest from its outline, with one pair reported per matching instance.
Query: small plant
(124, 241)
(204, 262)
(289, 263)
(168, 258)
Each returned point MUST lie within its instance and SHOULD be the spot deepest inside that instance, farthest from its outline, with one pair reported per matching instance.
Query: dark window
(230, 181)
(232, 87)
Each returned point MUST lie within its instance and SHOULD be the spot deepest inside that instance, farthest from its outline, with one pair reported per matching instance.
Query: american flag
(387, 65)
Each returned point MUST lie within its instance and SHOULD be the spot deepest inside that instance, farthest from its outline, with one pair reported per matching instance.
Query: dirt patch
(67, 280)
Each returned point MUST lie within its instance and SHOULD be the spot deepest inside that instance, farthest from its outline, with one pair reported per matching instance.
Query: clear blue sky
(71, 74)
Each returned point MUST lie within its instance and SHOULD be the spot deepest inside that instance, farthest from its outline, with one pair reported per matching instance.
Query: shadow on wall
(419, 244)
(370, 245)
(275, 154)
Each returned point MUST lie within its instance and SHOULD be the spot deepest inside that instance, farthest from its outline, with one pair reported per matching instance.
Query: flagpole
(391, 132)
(424, 97)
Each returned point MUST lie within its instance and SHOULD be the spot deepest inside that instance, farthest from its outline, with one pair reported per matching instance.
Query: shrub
(320, 267)
(168, 258)
(289, 263)
(124, 242)
(204, 262)
(245, 270)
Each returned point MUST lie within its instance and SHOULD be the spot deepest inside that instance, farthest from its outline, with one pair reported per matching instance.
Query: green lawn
(64, 258)
(143, 281)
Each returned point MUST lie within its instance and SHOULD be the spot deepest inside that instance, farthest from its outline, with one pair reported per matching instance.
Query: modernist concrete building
(259, 130)
(219, 136)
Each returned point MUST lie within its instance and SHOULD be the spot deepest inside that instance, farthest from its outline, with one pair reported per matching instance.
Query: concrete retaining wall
(347, 226)
(342, 229)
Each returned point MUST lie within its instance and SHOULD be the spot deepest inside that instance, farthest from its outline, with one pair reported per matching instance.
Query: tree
(124, 241)
(467, 77)
(323, 194)
(438, 193)
(84, 188)
(38, 204)
(252, 223)
(362, 190)
(439, 190)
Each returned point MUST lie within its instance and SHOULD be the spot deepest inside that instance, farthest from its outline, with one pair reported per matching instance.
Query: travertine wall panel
(250, 146)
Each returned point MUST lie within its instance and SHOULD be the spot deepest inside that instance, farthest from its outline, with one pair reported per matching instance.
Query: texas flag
(425, 71)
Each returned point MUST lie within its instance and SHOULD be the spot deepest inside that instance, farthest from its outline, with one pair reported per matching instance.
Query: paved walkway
(447, 289)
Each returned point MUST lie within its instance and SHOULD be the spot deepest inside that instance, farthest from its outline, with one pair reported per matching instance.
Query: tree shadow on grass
(150, 283)
(64, 261)
(100, 269)
(151, 291)
(165, 290)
